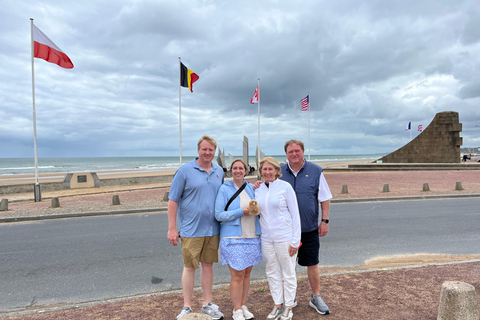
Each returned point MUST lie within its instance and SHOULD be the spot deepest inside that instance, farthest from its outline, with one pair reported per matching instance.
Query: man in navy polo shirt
(313, 195)
(192, 198)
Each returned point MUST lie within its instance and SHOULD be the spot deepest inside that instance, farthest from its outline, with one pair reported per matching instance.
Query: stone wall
(439, 143)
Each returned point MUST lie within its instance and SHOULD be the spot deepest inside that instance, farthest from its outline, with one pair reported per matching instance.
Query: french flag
(409, 126)
(45, 49)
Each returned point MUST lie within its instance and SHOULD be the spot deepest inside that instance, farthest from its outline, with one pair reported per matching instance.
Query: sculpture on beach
(439, 143)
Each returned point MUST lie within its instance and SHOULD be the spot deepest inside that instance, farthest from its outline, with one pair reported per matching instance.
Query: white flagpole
(309, 106)
(36, 190)
(259, 117)
(180, 105)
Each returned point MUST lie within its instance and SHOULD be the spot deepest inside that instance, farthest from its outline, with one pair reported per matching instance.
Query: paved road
(85, 259)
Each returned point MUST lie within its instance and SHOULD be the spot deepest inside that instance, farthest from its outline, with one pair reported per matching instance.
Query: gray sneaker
(316, 302)
(276, 313)
(185, 311)
(211, 309)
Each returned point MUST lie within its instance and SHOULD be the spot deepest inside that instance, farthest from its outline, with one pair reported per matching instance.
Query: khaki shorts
(200, 249)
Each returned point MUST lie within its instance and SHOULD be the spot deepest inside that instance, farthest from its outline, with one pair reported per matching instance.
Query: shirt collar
(296, 172)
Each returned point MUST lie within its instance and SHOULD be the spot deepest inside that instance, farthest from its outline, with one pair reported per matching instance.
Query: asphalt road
(86, 259)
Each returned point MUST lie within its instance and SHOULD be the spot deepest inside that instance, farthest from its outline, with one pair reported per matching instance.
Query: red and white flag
(45, 49)
(255, 97)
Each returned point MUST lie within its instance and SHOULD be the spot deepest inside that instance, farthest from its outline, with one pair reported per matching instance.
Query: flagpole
(309, 106)
(36, 189)
(259, 117)
(180, 105)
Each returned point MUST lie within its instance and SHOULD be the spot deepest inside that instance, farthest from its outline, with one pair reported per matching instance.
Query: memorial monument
(439, 143)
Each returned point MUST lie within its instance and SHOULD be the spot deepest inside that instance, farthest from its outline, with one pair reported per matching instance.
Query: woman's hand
(292, 251)
(246, 211)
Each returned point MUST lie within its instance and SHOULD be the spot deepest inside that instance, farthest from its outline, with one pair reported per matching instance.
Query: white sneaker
(246, 313)
(238, 315)
(276, 313)
(287, 314)
(185, 311)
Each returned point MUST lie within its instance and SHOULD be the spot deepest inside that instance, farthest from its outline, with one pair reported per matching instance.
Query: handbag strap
(235, 195)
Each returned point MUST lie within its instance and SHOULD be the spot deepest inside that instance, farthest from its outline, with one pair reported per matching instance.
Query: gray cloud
(370, 67)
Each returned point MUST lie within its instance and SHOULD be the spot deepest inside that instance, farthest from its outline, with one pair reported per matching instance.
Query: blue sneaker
(316, 302)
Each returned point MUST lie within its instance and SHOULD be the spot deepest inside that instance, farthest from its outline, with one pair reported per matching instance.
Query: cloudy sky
(370, 67)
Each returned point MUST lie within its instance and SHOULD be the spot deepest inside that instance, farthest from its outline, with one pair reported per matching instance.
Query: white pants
(279, 264)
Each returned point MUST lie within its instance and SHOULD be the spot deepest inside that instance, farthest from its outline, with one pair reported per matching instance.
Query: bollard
(426, 187)
(55, 202)
(165, 196)
(115, 200)
(4, 205)
(386, 188)
(344, 188)
(458, 185)
(196, 316)
(458, 301)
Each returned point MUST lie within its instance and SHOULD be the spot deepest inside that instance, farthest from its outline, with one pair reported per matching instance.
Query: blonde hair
(290, 142)
(274, 163)
(239, 160)
(208, 139)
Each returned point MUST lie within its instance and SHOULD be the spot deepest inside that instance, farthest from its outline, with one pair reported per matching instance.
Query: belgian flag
(188, 77)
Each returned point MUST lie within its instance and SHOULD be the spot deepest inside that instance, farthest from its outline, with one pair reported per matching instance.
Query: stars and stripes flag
(255, 97)
(420, 128)
(305, 103)
(44, 48)
(409, 126)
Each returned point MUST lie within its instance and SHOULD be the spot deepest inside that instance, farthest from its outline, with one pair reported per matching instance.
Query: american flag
(420, 128)
(305, 102)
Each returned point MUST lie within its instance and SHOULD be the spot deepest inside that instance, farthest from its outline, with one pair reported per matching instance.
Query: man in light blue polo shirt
(192, 198)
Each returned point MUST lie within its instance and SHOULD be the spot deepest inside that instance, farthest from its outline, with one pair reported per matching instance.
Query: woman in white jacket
(280, 222)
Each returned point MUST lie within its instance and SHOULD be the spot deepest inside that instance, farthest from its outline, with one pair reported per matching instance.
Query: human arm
(324, 196)
(173, 237)
(292, 205)
(234, 211)
(323, 227)
(257, 184)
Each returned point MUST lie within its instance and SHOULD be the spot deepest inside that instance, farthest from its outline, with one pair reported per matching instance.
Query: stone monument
(439, 143)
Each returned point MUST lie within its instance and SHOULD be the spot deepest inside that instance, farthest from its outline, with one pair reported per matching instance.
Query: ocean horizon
(21, 166)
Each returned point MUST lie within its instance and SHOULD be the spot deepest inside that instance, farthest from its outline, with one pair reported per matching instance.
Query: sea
(21, 166)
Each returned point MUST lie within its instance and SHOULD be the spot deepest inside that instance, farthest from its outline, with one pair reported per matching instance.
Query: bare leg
(207, 281)
(188, 282)
(314, 278)
(246, 284)
(237, 287)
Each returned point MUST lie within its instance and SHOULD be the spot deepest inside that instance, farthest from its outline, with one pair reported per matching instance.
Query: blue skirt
(240, 253)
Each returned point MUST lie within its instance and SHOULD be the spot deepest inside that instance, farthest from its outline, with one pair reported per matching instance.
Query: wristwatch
(325, 220)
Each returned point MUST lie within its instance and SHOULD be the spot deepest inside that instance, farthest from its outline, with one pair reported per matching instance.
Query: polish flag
(255, 97)
(45, 49)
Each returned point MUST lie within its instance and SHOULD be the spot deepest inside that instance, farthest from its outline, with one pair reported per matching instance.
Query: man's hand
(173, 237)
(257, 184)
(172, 219)
(323, 229)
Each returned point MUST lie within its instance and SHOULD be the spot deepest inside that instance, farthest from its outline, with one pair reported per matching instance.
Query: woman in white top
(280, 222)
